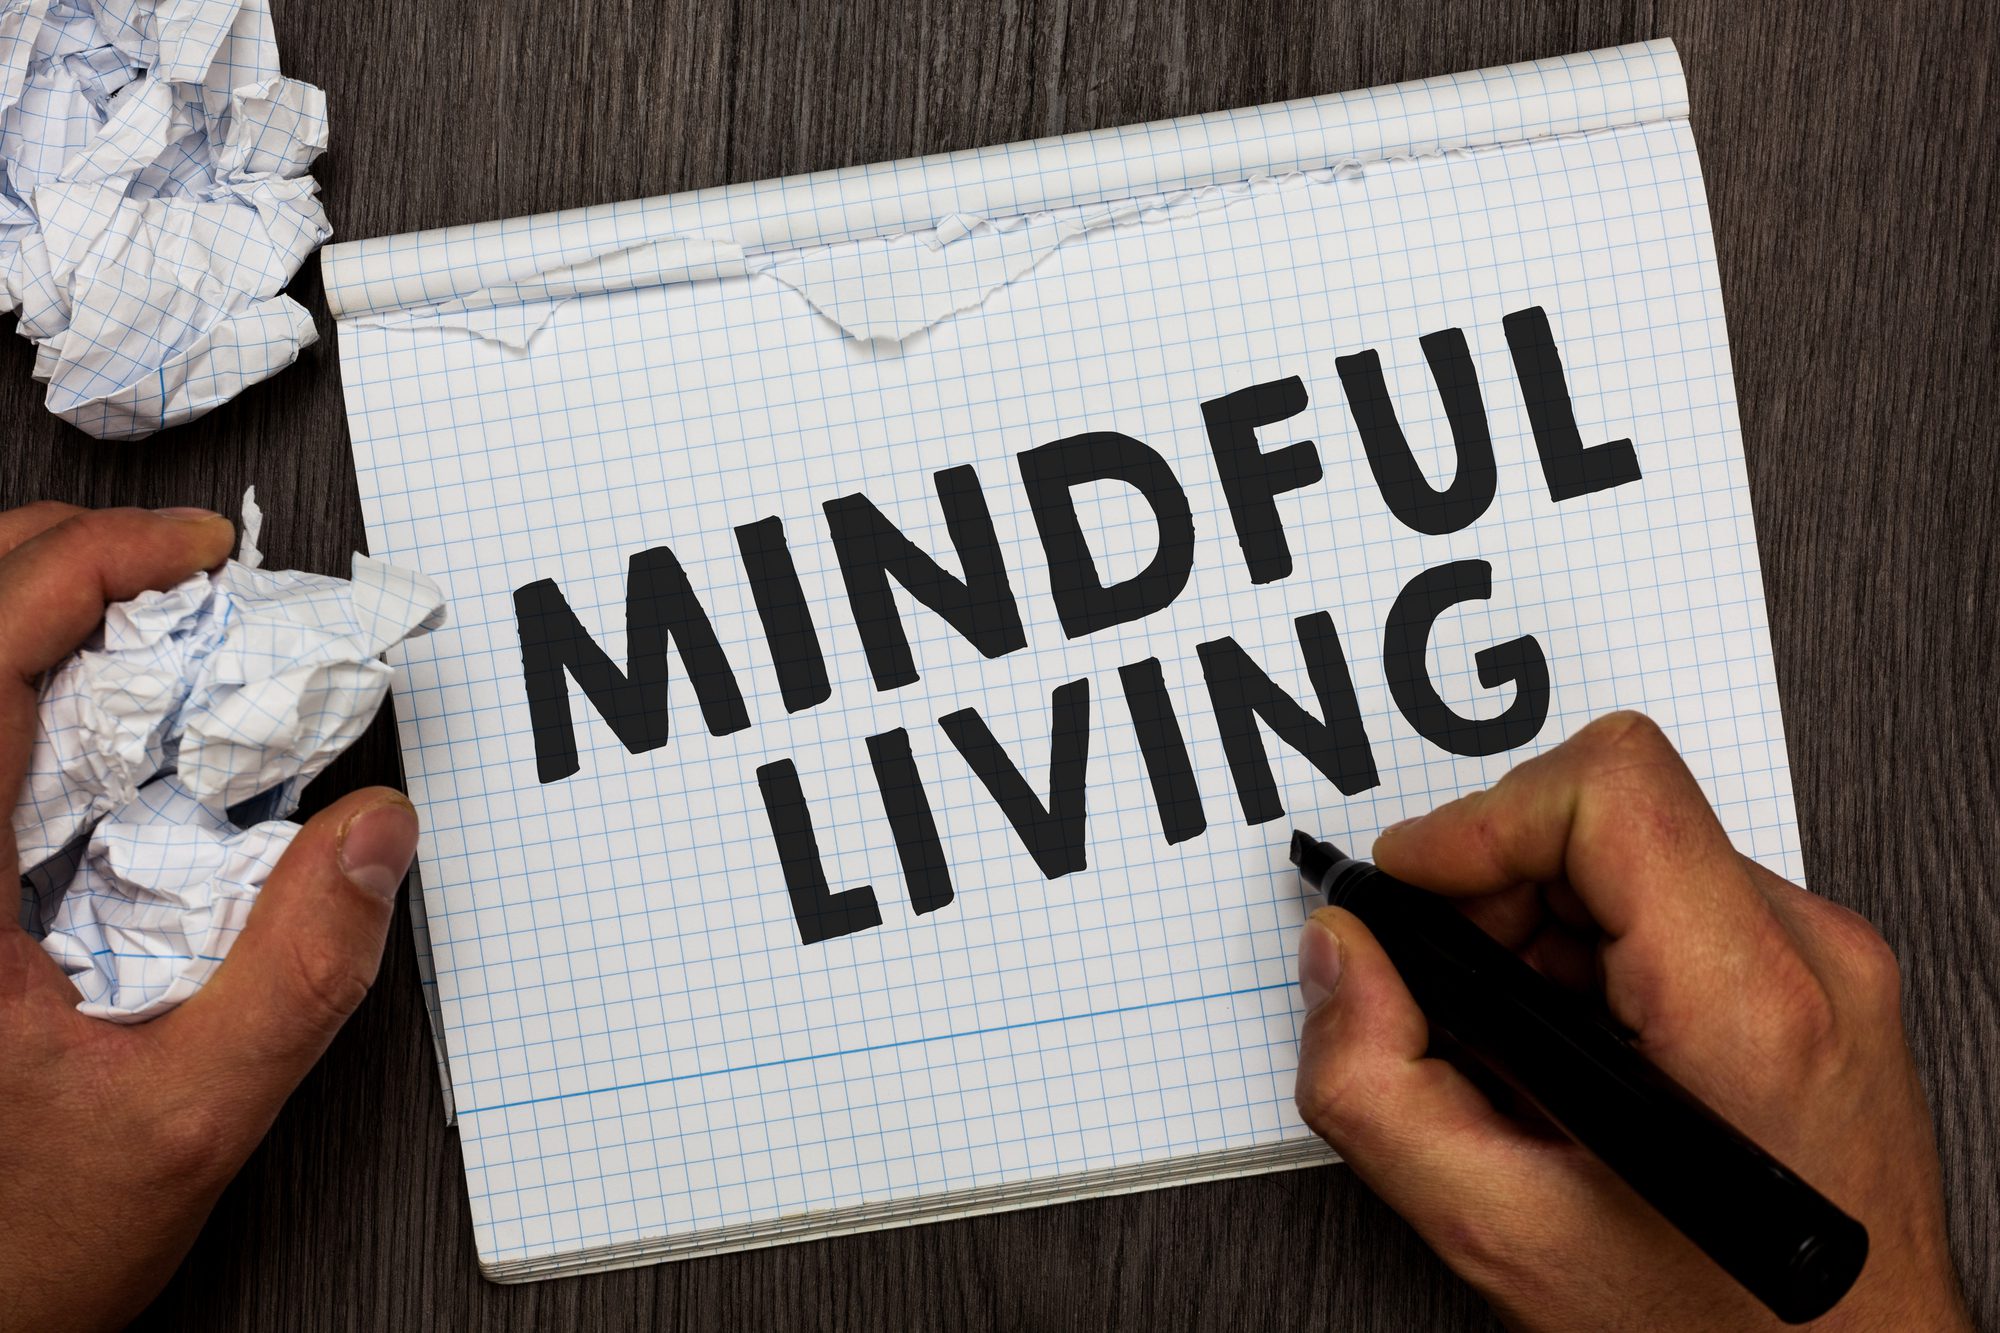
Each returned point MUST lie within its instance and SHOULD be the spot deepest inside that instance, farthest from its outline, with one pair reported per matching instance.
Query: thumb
(1418, 1131)
(305, 958)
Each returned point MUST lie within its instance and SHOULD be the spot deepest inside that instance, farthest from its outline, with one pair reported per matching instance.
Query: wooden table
(1850, 155)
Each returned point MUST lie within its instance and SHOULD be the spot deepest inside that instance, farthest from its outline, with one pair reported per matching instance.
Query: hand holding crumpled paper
(120, 1136)
(154, 201)
(170, 750)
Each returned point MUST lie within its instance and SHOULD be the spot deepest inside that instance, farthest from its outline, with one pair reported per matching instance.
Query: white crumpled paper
(171, 749)
(153, 203)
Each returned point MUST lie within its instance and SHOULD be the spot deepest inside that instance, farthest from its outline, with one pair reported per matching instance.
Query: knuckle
(87, 533)
(1664, 824)
(1486, 826)
(1333, 1095)
(1634, 779)
(1628, 746)
(1321, 1094)
(329, 987)
(92, 526)
(1485, 833)
(1323, 1108)
(45, 509)
(1872, 965)
(1625, 733)
(191, 1139)
(1804, 1030)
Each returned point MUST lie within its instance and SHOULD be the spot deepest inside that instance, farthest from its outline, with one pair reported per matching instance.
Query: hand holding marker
(1594, 941)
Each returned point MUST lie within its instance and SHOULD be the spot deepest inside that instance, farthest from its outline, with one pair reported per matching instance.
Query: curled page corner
(515, 300)
(169, 751)
(154, 202)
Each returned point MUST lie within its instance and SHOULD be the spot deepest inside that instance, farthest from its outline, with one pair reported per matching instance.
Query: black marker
(1772, 1232)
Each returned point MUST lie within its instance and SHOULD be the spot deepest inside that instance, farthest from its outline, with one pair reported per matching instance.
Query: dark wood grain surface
(1850, 155)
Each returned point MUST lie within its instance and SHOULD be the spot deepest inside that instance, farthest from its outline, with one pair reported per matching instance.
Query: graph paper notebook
(898, 615)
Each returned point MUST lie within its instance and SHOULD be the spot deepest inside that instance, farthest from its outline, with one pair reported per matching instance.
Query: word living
(663, 612)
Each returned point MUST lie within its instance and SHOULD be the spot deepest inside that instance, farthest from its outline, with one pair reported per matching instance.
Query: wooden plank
(1850, 154)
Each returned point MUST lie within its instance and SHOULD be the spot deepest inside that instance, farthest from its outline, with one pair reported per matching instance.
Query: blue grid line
(869, 1050)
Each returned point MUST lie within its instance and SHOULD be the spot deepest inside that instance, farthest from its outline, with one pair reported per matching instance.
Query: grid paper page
(647, 1060)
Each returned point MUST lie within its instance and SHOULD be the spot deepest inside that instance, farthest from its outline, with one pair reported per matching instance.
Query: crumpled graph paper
(154, 201)
(170, 751)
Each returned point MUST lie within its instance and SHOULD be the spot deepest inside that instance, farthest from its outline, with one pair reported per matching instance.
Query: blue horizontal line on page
(879, 1046)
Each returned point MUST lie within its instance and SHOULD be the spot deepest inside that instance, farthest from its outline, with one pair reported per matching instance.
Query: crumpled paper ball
(154, 201)
(171, 748)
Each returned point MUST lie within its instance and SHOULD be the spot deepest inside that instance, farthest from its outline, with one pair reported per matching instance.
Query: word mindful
(664, 613)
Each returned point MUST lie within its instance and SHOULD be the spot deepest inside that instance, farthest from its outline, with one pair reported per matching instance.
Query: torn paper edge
(502, 280)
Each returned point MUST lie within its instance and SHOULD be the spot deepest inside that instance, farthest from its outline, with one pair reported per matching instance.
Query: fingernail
(188, 514)
(377, 846)
(1319, 962)
(1401, 823)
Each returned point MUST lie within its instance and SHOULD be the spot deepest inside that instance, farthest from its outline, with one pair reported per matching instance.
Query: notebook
(899, 614)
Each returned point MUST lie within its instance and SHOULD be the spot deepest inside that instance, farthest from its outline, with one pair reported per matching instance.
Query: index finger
(1696, 958)
(1613, 811)
(54, 587)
